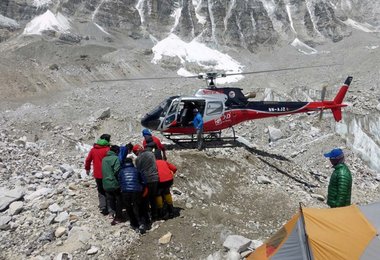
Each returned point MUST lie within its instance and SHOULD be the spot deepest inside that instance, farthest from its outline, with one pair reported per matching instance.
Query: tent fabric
(372, 250)
(295, 247)
(372, 213)
(272, 245)
(338, 233)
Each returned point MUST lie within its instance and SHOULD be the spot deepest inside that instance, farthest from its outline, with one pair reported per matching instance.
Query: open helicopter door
(171, 114)
(180, 113)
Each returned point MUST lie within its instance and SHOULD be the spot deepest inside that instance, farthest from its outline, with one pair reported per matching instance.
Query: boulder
(8, 196)
(274, 133)
(4, 220)
(15, 208)
(59, 231)
(93, 250)
(165, 238)
(62, 217)
(102, 114)
(55, 208)
(263, 180)
(38, 193)
(63, 256)
(237, 243)
(77, 238)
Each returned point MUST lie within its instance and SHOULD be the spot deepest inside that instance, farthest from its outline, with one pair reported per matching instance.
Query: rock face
(247, 24)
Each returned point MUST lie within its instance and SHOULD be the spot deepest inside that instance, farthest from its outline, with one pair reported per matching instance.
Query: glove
(145, 192)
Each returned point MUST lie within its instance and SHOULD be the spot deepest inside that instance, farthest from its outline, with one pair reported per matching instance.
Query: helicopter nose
(150, 121)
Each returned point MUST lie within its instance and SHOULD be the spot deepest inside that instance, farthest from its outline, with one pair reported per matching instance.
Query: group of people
(136, 178)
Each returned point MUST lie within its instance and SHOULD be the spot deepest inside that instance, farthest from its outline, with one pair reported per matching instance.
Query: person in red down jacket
(166, 172)
(95, 156)
(148, 137)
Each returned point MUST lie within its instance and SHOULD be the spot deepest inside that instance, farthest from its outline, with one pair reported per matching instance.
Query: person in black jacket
(132, 184)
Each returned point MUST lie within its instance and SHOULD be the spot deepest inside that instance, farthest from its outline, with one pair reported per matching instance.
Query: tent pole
(308, 252)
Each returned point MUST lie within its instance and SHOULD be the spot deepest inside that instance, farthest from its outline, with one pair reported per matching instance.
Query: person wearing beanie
(148, 138)
(340, 185)
(95, 157)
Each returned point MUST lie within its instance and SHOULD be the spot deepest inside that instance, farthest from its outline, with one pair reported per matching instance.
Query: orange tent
(322, 234)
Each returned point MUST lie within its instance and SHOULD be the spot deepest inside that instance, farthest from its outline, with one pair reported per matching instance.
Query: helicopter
(224, 107)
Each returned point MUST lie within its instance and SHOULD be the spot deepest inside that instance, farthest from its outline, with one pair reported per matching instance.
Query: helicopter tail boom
(342, 92)
(336, 110)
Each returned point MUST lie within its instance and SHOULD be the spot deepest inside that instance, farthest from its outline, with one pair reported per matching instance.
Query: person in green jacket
(110, 171)
(339, 190)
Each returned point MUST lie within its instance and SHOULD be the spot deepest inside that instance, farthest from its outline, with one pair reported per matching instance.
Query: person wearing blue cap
(340, 185)
(149, 139)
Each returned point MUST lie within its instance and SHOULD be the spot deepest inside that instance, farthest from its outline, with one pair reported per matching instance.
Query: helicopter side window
(214, 107)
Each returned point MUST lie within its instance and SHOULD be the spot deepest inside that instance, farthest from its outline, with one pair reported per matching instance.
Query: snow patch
(101, 28)
(176, 14)
(290, 17)
(373, 47)
(198, 5)
(302, 47)
(47, 21)
(196, 52)
(139, 7)
(365, 27)
(41, 3)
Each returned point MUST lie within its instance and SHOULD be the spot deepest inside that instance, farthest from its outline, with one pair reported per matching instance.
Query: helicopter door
(171, 115)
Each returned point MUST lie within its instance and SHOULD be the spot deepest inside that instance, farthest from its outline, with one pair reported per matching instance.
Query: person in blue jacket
(133, 184)
(198, 124)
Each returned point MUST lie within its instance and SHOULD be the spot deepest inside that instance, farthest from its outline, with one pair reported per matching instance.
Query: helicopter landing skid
(210, 140)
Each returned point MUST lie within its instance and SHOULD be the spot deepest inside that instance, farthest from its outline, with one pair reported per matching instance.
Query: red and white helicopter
(224, 107)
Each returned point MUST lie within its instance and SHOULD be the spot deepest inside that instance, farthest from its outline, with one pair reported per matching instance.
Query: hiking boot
(104, 212)
(116, 221)
(135, 227)
(171, 211)
(142, 229)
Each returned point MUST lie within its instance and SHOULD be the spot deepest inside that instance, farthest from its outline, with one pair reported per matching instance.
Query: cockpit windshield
(163, 106)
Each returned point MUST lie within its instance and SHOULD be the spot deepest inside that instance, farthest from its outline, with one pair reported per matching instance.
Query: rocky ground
(46, 131)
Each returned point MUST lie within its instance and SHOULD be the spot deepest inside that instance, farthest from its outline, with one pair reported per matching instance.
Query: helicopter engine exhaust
(250, 95)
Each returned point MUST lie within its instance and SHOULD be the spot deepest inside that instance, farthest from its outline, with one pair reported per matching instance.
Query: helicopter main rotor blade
(152, 78)
(206, 76)
(284, 69)
(323, 94)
